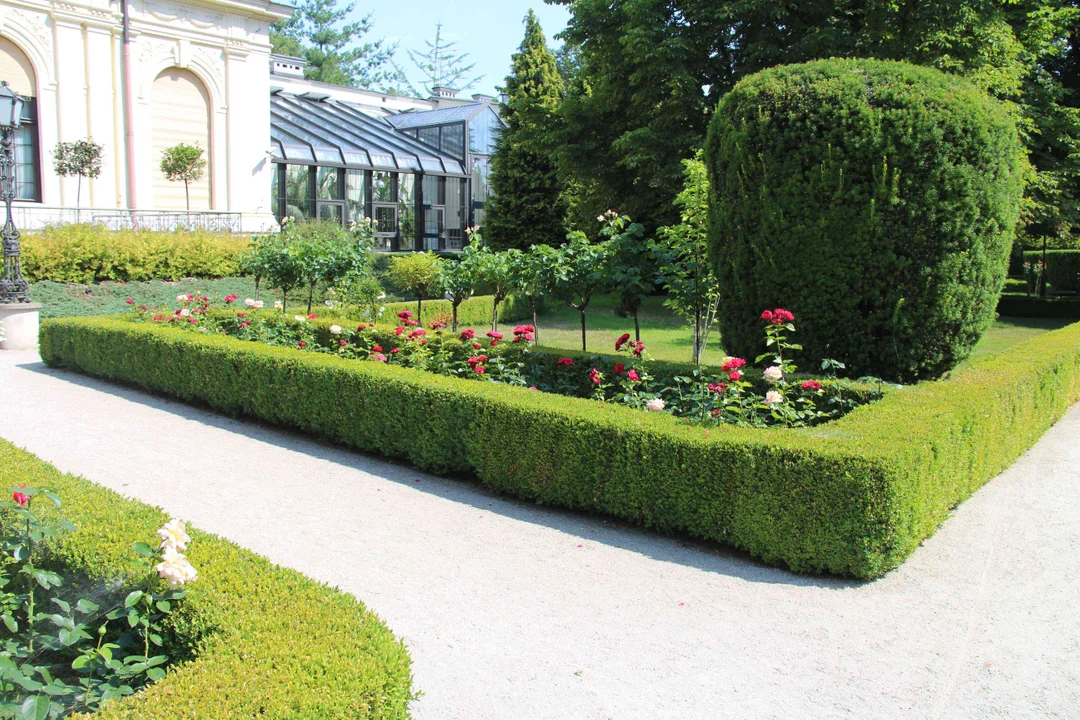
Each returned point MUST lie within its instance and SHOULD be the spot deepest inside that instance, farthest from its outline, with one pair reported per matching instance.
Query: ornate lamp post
(13, 288)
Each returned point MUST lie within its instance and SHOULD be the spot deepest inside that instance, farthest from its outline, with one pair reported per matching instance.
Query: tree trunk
(258, 281)
(453, 317)
(697, 336)
(78, 200)
(419, 308)
(284, 299)
(187, 197)
(637, 328)
(583, 330)
(536, 328)
(310, 297)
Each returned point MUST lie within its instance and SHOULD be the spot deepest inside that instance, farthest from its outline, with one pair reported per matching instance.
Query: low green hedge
(852, 497)
(87, 253)
(1062, 268)
(475, 311)
(1036, 307)
(269, 642)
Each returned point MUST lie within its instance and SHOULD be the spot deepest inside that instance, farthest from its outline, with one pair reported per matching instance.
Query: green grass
(1008, 331)
(668, 337)
(77, 300)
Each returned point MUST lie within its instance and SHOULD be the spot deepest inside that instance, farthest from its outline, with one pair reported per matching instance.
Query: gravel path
(517, 611)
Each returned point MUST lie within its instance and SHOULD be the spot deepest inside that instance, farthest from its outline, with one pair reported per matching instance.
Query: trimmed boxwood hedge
(1036, 307)
(876, 200)
(1062, 268)
(269, 642)
(852, 497)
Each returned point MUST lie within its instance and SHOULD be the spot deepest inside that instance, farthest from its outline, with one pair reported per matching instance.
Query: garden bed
(267, 641)
(852, 497)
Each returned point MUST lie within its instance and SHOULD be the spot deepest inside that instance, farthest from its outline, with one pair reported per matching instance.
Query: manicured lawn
(666, 336)
(71, 300)
(669, 338)
(1007, 331)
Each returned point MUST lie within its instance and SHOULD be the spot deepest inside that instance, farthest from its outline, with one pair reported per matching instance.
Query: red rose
(301, 345)
(495, 335)
(21, 499)
(619, 367)
(594, 375)
(377, 348)
(395, 351)
(494, 343)
(159, 317)
(621, 341)
(811, 385)
(398, 330)
(230, 299)
(130, 301)
(192, 320)
(565, 361)
(311, 316)
(404, 314)
(423, 342)
(533, 387)
(529, 336)
(360, 328)
(735, 376)
(483, 358)
(767, 315)
(480, 370)
(476, 346)
(632, 376)
(342, 343)
(638, 347)
(241, 314)
(468, 334)
(732, 364)
(473, 360)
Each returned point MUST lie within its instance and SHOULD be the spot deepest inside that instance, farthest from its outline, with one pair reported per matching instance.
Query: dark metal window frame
(29, 118)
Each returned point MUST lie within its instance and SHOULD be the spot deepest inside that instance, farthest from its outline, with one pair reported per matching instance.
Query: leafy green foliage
(1062, 268)
(631, 267)
(81, 158)
(86, 253)
(532, 275)
(856, 501)
(877, 200)
(183, 163)
(682, 258)
(635, 108)
(527, 205)
(578, 273)
(417, 273)
(245, 616)
(457, 281)
(334, 51)
(493, 269)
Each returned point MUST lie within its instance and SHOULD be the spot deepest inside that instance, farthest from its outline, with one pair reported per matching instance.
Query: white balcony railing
(35, 217)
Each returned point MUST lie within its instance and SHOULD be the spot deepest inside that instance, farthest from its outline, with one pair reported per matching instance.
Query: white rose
(181, 298)
(774, 374)
(335, 329)
(773, 398)
(185, 312)
(175, 568)
(249, 302)
(655, 405)
(173, 534)
(258, 304)
(299, 318)
(278, 305)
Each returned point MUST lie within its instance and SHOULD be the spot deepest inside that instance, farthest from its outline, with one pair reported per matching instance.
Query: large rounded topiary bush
(876, 200)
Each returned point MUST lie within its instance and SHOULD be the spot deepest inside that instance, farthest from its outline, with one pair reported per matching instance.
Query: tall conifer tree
(527, 207)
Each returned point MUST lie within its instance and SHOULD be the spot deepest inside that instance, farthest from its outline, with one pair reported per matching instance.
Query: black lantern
(13, 287)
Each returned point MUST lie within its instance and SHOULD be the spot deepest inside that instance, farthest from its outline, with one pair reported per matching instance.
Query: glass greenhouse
(422, 176)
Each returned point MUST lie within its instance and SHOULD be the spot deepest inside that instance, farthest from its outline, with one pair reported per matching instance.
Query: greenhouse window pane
(327, 187)
(297, 198)
(355, 195)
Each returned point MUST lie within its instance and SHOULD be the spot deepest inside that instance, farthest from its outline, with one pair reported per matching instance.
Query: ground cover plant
(853, 497)
(831, 183)
(726, 395)
(233, 638)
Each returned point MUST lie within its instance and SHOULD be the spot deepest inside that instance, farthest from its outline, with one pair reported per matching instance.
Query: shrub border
(269, 641)
(852, 497)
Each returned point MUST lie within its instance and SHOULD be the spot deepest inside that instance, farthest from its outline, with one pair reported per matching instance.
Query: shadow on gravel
(678, 548)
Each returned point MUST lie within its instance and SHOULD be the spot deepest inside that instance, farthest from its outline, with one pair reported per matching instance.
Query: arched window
(180, 113)
(16, 69)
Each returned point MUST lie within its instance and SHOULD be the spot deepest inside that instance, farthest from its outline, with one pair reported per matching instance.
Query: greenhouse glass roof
(321, 131)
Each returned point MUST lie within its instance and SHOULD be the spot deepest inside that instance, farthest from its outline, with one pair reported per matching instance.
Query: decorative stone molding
(172, 12)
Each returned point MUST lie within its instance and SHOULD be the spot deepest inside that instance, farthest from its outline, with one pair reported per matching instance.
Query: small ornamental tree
(532, 275)
(183, 163)
(417, 273)
(631, 263)
(457, 281)
(681, 256)
(877, 200)
(579, 273)
(493, 270)
(330, 254)
(80, 159)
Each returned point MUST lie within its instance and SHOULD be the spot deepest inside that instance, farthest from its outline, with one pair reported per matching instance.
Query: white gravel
(516, 611)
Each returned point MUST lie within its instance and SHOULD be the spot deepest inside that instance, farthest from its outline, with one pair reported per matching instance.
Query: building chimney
(440, 92)
(287, 66)
(481, 98)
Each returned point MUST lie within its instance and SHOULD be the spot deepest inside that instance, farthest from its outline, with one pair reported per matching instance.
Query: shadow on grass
(680, 549)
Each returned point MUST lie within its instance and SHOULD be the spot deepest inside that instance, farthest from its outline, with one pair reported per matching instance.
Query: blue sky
(489, 30)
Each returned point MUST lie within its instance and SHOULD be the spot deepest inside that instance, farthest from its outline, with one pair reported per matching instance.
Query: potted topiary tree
(183, 163)
(80, 159)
